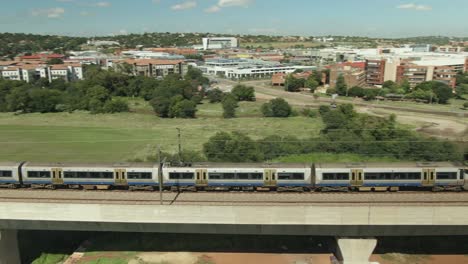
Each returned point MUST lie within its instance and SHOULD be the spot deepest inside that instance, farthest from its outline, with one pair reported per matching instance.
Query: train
(280, 177)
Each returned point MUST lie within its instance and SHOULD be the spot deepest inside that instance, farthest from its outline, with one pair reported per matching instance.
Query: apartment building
(414, 74)
(353, 76)
(20, 71)
(156, 68)
(466, 65)
(375, 72)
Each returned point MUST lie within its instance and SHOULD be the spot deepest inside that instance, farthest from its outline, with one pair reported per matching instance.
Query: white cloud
(213, 9)
(102, 4)
(86, 14)
(56, 12)
(413, 6)
(184, 5)
(227, 3)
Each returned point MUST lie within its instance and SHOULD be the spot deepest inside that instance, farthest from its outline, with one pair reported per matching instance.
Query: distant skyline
(373, 18)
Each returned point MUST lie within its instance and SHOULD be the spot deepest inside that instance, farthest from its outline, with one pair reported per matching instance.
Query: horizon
(360, 18)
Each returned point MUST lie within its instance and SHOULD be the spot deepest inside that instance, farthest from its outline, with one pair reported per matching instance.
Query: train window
(215, 176)
(407, 176)
(379, 176)
(242, 176)
(88, 175)
(256, 176)
(139, 175)
(6, 174)
(335, 176)
(181, 175)
(38, 174)
(291, 176)
(446, 175)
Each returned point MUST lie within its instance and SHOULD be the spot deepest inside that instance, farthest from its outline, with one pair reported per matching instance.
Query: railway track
(232, 198)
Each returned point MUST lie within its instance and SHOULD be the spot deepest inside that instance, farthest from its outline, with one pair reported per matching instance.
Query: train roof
(10, 164)
(92, 165)
(387, 165)
(202, 165)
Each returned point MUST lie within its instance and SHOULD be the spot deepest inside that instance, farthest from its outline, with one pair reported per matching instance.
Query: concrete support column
(9, 251)
(355, 250)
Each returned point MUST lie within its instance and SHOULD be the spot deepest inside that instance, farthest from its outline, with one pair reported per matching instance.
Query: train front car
(10, 174)
(41, 175)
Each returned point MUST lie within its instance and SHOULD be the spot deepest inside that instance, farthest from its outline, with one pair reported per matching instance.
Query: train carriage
(90, 176)
(389, 176)
(10, 174)
(179, 177)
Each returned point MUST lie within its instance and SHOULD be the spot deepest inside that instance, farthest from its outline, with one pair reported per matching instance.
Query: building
(375, 72)
(466, 65)
(414, 74)
(154, 68)
(247, 68)
(450, 49)
(41, 57)
(220, 43)
(28, 72)
(68, 72)
(353, 76)
(279, 79)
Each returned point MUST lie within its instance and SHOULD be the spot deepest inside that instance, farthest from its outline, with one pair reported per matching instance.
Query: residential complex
(153, 68)
(28, 72)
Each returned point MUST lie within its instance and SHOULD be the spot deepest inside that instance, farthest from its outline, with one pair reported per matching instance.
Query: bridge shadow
(34, 243)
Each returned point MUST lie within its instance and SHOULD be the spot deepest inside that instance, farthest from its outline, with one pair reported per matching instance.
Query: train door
(357, 177)
(123, 177)
(270, 177)
(428, 178)
(57, 176)
(120, 177)
(201, 177)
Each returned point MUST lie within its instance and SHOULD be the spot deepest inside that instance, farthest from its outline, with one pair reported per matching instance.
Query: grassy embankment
(82, 137)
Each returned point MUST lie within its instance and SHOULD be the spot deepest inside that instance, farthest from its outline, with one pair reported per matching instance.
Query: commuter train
(241, 177)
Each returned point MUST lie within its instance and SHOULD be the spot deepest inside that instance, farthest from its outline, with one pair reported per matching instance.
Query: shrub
(116, 106)
(277, 108)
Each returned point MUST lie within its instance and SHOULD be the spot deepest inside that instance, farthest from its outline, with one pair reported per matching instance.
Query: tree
(276, 108)
(215, 95)
(229, 106)
(465, 105)
(356, 91)
(184, 109)
(195, 74)
(405, 86)
(18, 99)
(235, 147)
(44, 100)
(311, 83)
(443, 92)
(341, 87)
(161, 106)
(244, 93)
(293, 84)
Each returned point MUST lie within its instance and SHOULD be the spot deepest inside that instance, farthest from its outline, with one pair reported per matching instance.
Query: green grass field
(82, 137)
(332, 157)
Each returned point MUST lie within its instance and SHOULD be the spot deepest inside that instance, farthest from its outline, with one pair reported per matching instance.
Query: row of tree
(345, 132)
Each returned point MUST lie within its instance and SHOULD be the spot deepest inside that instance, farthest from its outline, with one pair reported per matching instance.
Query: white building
(30, 72)
(245, 68)
(68, 72)
(220, 43)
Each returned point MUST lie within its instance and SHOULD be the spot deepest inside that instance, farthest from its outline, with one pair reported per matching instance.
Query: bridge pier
(9, 251)
(355, 250)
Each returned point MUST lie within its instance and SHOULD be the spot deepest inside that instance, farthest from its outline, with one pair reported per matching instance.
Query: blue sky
(383, 18)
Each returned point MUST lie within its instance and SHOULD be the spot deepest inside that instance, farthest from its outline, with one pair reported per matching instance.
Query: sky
(374, 18)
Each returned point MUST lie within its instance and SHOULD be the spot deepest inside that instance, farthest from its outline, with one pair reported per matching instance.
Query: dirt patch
(420, 259)
(166, 258)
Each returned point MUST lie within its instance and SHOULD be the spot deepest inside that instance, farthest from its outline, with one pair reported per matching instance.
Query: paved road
(231, 198)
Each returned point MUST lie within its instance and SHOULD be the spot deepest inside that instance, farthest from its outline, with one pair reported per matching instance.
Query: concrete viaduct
(354, 226)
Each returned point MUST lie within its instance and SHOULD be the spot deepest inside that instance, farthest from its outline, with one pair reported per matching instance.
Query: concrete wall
(291, 220)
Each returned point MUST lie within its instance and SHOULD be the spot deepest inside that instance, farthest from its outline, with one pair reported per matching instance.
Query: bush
(116, 106)
(229, 106)
(465, 105)
(215, 96)
(183, 109)
(357, 91)
(244, 93)
(331, 91)
(276, 108)
(307, 112)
